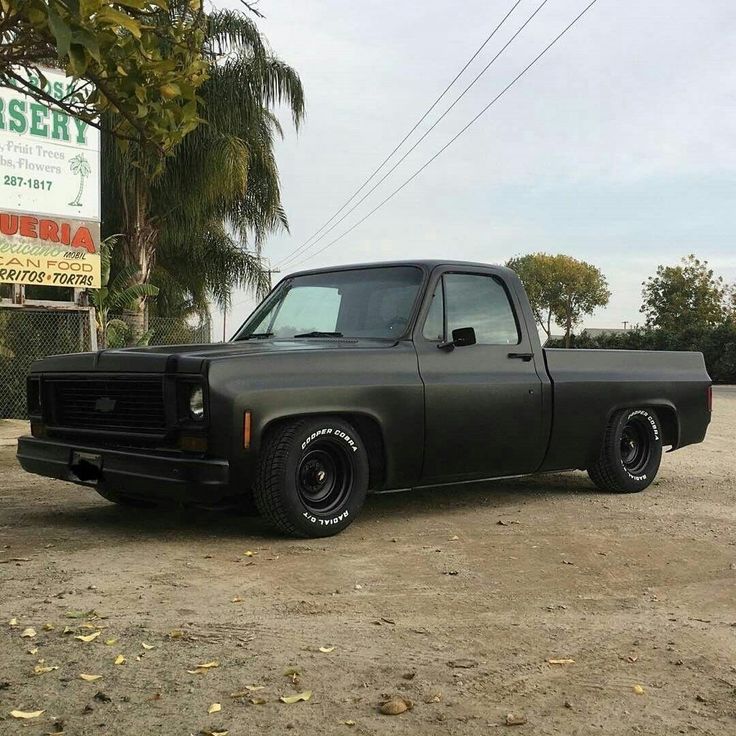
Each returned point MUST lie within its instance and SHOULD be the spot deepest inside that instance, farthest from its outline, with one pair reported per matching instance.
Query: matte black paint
(432, 416)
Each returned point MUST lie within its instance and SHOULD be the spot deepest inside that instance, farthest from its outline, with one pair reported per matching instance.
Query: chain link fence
(29, 333)
(175, 331)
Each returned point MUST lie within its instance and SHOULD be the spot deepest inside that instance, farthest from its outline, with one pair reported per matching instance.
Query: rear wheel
(631, 452)
(312, 477)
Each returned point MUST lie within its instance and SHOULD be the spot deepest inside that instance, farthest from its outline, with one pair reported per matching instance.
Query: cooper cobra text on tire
(631, 452)
(312, 476)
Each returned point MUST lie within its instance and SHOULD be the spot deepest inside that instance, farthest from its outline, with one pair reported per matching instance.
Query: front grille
(123, 404)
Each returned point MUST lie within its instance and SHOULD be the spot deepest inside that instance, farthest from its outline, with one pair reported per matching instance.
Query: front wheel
(631, 452)
(312, 477)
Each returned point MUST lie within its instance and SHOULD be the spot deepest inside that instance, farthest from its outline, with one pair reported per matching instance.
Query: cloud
(617, 148)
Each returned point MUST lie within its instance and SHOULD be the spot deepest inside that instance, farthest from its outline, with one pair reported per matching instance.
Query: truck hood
(192, 358)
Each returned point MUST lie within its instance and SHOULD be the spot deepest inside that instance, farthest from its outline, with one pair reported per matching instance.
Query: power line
(425, 134)
(299, 249)
(454, 138)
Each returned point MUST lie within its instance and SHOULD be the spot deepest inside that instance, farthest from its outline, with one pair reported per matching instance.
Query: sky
(618, 147)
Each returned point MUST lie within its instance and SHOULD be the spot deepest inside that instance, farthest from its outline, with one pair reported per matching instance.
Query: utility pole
(270, 271)
(625, 323)
(224, 324)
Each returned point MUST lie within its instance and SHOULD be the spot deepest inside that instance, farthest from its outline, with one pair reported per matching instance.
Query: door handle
(526, 357)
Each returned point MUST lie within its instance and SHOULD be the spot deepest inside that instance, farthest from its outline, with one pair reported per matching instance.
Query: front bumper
(140, 474)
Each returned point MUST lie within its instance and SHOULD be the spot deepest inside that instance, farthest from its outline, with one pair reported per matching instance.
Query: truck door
(483, 402)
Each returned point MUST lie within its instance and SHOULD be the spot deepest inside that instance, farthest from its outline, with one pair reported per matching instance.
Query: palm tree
(79, 166)
(115, 296)
(196, 226)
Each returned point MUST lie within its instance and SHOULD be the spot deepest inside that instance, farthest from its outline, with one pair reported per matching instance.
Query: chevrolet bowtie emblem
(105, 404)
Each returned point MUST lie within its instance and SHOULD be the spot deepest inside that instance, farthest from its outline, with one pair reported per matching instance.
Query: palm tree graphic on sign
(79, 166)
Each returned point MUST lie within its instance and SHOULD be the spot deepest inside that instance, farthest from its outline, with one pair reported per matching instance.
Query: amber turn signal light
(246, 429)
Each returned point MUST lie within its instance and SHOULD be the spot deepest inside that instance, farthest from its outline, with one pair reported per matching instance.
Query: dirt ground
(453, 598)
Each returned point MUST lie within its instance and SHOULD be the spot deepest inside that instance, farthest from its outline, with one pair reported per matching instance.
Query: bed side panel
(589, 385)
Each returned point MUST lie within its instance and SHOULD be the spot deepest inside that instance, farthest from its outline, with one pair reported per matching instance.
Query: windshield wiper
(256, 336)
(317, 333)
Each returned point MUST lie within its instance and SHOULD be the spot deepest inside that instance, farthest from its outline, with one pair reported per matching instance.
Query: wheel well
(370, 432)
(670, 426)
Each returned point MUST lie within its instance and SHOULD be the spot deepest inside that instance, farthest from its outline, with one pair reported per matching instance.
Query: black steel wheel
(631, 452)
(312, 476)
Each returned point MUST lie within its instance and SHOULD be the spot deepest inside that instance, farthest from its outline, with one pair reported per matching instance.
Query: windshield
(365, 302)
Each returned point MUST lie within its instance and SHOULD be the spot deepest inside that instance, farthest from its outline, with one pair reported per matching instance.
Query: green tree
(538, 273)
(138, 63)
(560, 289)
(686, 296)
(114, 296)
(196, 228)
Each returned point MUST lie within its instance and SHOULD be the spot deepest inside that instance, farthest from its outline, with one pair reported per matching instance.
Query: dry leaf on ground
(638, 689)
(147, 646)
(90, 678)
(41, 668)
(89, 637)
(120, 659)
(306, 695)
(561, 661)
(214, 708)
(25, 714)
(327, 650)
(200, 669)
(28, 633)
(248, 690)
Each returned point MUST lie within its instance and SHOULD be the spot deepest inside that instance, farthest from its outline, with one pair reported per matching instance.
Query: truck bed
(590, 385)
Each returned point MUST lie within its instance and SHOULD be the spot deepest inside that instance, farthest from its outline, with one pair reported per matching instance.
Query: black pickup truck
(360, 379)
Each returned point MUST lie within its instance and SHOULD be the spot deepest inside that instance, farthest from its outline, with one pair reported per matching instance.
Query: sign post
(49, 192)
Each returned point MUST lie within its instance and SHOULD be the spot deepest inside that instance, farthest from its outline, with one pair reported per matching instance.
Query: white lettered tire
(631, 452)
(312, 476)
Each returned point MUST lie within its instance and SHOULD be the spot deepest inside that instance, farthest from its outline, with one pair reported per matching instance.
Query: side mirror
(461, 337)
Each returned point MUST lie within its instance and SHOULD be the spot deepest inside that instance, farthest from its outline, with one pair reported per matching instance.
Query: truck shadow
(501, 494)
(102, 519)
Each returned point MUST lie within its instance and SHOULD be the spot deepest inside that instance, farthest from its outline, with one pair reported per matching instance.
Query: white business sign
(49, 191)
(49, 161)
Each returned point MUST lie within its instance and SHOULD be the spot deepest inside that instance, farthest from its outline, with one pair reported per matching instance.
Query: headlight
(196, 403)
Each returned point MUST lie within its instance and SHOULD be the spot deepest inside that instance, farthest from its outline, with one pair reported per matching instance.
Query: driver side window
(472, 300)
